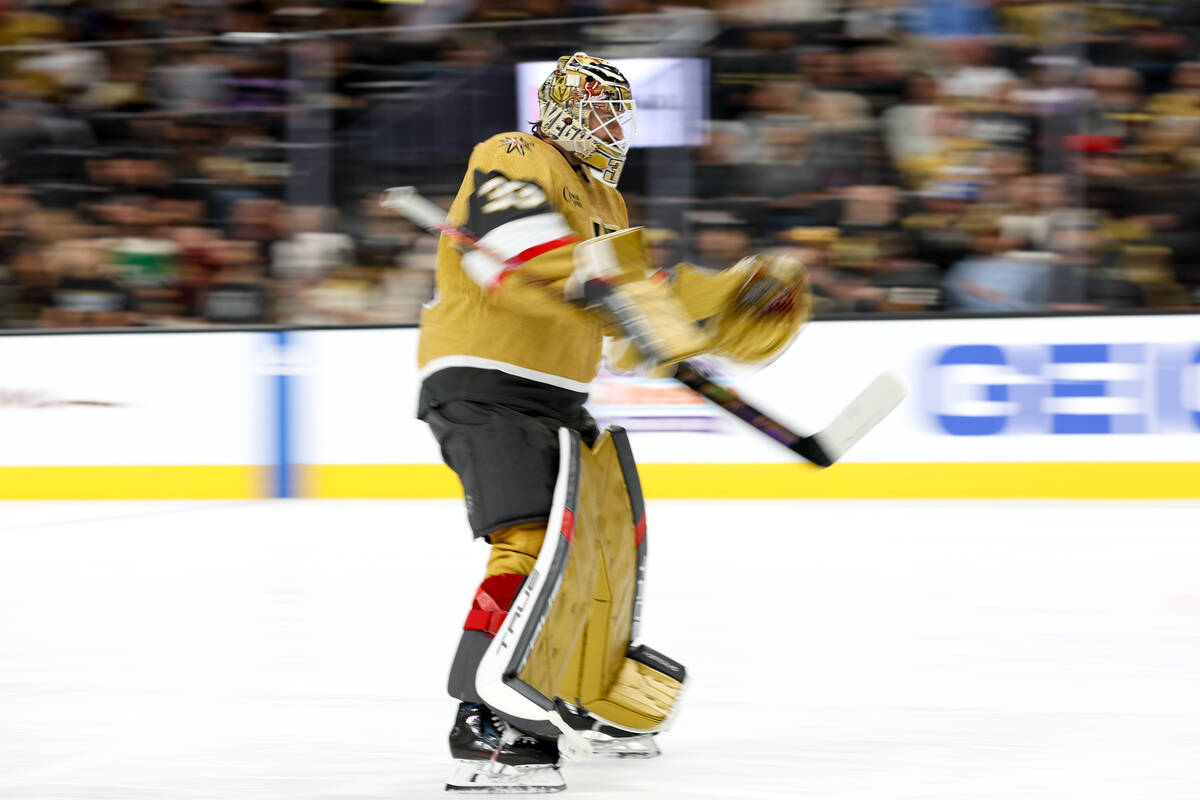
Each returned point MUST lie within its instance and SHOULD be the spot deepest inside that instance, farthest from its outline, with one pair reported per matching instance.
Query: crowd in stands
(217, 162)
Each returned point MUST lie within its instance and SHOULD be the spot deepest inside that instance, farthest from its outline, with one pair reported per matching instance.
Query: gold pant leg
(515, 549)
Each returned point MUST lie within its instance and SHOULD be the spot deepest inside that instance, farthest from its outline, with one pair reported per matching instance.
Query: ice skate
(494, 758)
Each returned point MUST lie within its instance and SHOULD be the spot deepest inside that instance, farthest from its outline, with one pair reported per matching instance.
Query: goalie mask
(587, 109)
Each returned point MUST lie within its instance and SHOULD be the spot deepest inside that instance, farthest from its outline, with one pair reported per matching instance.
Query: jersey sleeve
(508, 207)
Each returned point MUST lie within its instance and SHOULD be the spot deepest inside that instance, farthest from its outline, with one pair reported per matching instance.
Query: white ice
(297, 650)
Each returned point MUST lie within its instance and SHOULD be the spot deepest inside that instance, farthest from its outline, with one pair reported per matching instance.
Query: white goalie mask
(587, 108)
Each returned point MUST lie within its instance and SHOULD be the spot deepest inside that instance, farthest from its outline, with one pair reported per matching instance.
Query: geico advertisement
(1063, 389)
(1035, 389)
(1084, 388)
(133, 399)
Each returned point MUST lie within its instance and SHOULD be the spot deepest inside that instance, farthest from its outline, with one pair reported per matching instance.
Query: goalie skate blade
(486, 777)
(866, 411)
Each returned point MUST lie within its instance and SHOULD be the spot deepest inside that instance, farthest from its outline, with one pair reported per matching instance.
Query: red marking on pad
(568, 525)
(639, 530)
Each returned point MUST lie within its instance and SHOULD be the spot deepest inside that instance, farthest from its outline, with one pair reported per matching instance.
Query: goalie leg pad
(642, 694)
(567, 634)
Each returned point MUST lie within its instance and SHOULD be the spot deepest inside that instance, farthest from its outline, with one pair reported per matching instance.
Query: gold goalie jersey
(529, 207)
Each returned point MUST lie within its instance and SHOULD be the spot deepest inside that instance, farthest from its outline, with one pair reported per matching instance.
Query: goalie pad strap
(492, 600)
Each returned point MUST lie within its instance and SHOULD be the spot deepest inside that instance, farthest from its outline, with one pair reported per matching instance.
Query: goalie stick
(822, 448)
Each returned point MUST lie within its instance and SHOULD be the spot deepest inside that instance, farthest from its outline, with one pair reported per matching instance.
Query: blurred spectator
(1086, 274)
(382, 235)
(719, 161)
(640, 25)
(916, 130)
(782, 157)
(880, 74)
(874, 255)
(719, 239)
(238, 292)
(141, 254)
(874, 20)
(86, 294)
(312, 249)
(64, 70)
(951, 18)
(999, 277)
(1182, 102)
(193, 78)
(1116, 96)
(938, 225)
(1032, 204)
(776, 12)
(260, 221)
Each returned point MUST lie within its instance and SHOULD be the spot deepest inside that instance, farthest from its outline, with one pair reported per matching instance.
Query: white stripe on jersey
(514, 238)
(446, 362)
(483, 269)
(487, 266)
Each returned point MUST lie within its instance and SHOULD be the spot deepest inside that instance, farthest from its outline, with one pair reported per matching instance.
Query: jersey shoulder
(519, 156)
(509, 143)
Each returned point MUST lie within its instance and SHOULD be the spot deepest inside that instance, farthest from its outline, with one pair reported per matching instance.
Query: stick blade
(863, 413)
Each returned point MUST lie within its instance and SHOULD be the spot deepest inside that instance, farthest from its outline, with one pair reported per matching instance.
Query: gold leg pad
(640, 698)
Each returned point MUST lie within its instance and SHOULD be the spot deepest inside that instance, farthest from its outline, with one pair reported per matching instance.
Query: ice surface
(298, 649)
